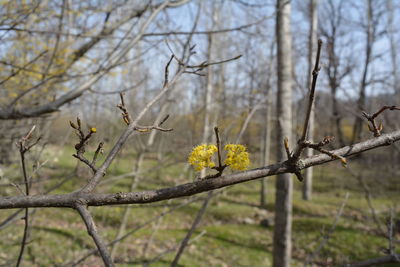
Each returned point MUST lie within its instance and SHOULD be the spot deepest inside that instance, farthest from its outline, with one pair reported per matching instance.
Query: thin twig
(83, 141)
(218, 147)
(375, 261)
(159, 256)
(371, 118)
(325, 237)
(23, 148)
(315, 73)
(195, 223)
(134, 230)
(91, 228)
(125, 114)
(368, 197)
(167, 71)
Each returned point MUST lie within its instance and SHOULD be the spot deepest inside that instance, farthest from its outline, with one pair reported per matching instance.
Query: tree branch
(188, 189)
(376, 261)
(91, 228)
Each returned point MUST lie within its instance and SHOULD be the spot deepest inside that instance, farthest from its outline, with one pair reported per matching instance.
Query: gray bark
(393, 46)
(209, 91)
(267, 132)
(97, 199)
(312, 41)
(282, 244)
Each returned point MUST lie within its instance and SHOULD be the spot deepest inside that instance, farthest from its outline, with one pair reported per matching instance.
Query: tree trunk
(393, 47)
(313, 5)
(208, 100)
(284, 184)
(266, 137)
(368, 52)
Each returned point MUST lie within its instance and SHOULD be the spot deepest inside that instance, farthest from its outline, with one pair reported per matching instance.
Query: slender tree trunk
(368, 52)
(209, 91)
(266, 148)
(208, 100)
(313, 5)
(266, 151)
(284, 184)
(395, 69)
(393, 47)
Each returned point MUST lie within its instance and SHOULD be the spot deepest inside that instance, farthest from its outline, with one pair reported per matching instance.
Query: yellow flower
(201, 156)
(93, 129)
(237, 158)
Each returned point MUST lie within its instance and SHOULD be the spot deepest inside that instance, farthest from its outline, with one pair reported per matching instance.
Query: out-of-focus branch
(49, 107)
(189, 234)
(81, 146)
(375, 261)
(325, 237)
(24, 147)
(134, 230)
(91, 228)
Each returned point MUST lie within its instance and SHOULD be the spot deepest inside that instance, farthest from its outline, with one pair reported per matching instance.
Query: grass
(231, 234)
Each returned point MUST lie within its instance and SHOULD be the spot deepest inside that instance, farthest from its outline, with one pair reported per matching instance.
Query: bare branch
(96, 199)
(326, 236)
(23, 148)
(137, 228)
(375, 261)
(371, 118)
(91, 228)
(189, 234)
(125, 114)
(315, 72)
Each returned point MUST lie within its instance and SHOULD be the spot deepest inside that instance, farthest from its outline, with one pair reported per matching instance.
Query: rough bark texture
(284, 185)
(312, 41)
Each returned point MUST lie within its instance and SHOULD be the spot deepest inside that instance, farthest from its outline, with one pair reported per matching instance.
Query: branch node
(125, 115)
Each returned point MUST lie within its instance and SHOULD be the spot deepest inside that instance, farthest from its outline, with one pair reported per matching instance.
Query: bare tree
(339, 66)
(373, 15)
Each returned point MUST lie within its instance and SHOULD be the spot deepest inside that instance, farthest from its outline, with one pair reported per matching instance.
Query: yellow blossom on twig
(237, 158)
(201, 156)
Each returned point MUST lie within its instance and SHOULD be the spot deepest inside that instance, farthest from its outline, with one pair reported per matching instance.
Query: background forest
(207, 63)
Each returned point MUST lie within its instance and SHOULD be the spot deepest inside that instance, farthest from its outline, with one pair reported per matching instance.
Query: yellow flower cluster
(201, 156)
(237, 158)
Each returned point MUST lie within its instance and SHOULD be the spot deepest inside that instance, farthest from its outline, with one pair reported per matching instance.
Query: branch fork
(83, 141)
(221, 167)
(24, 147)
(294, 160)
(125, 115)
(372, 126)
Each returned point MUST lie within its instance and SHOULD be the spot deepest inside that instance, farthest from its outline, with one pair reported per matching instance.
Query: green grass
(231, 234)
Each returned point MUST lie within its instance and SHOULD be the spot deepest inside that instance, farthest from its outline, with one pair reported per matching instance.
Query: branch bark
(91, 228)
(189, 189)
